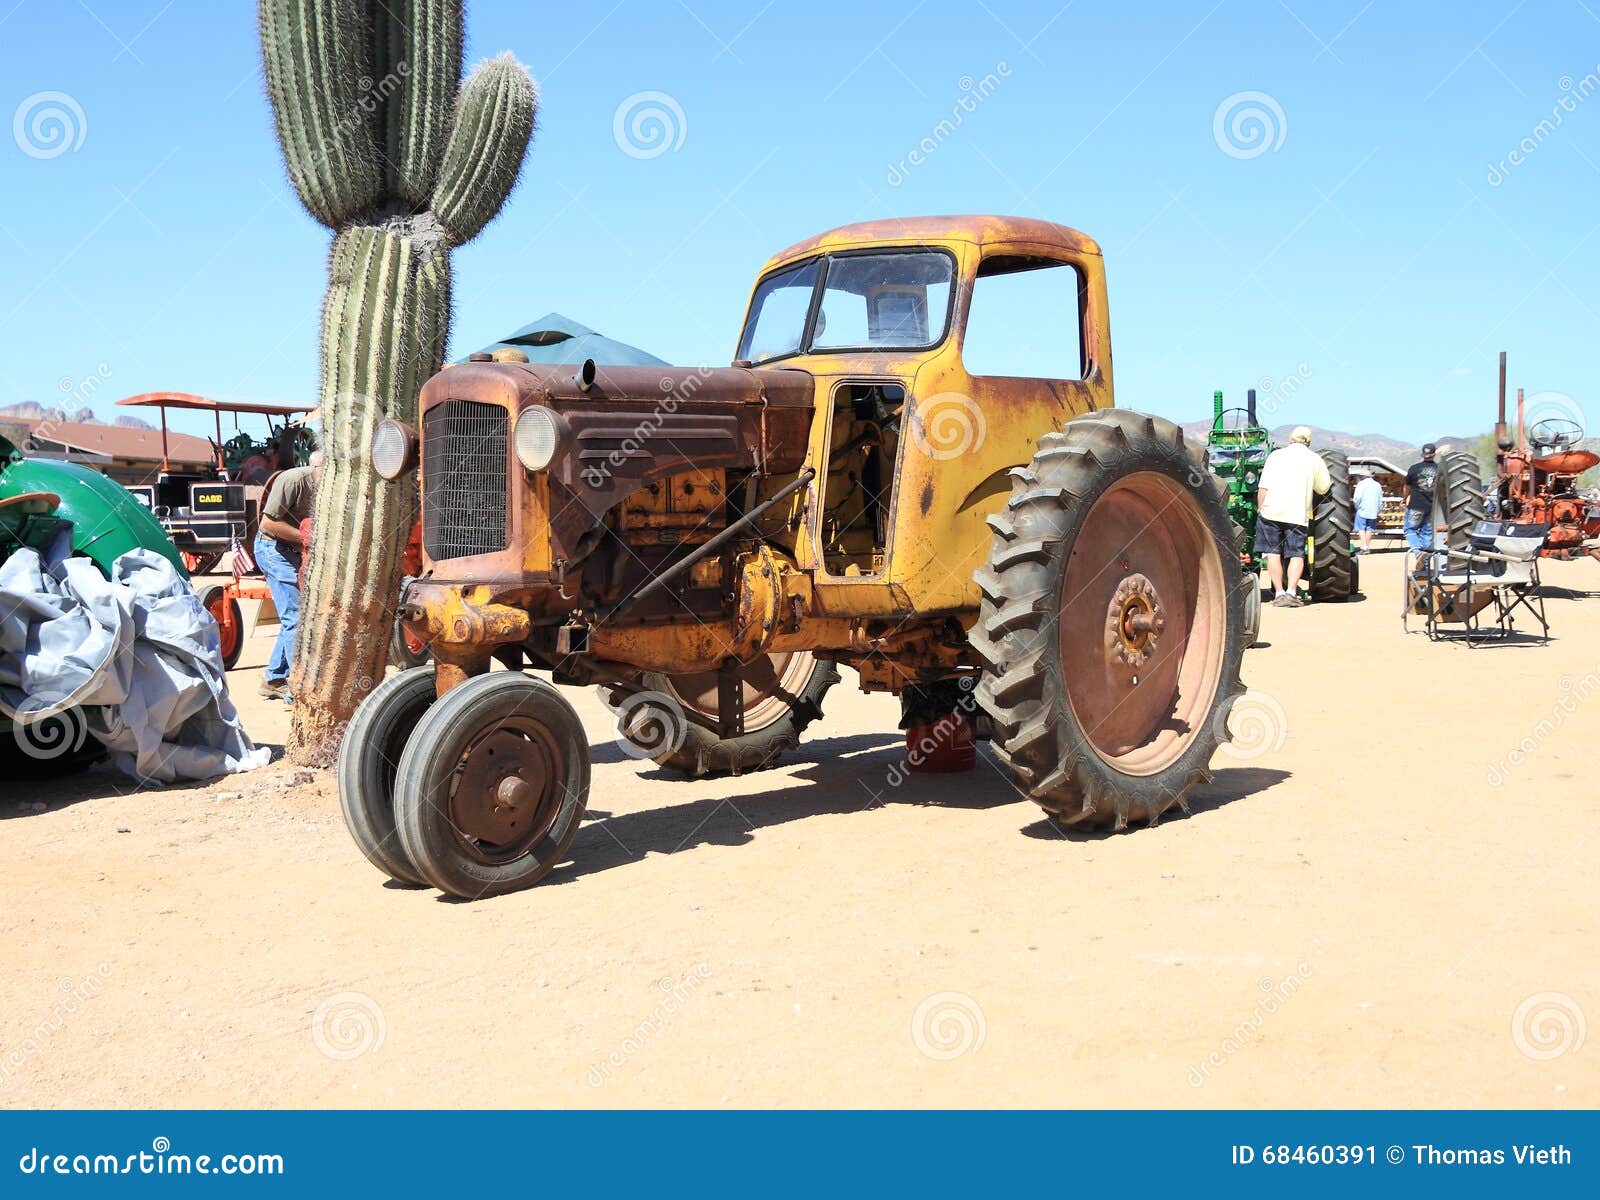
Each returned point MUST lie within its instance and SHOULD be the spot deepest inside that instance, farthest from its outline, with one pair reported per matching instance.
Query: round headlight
(1250, 477)
(394, 448)
(538, 438)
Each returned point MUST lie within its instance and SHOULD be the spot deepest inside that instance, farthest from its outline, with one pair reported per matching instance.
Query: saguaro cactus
(389, 149)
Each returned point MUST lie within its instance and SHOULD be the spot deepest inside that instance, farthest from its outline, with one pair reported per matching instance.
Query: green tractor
(1237, 449)
(41, 501)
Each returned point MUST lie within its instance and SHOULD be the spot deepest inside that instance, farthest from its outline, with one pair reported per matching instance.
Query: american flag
(240, 560)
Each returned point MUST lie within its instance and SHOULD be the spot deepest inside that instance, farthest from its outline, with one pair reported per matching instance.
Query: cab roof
(978, 229)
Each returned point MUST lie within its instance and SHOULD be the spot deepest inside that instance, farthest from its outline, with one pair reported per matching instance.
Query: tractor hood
(616, 429)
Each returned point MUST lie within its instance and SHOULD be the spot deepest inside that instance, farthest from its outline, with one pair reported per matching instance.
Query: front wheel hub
(505, 796)
(1134, 621)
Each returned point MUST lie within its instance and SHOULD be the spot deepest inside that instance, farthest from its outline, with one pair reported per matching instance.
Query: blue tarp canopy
(554, 338)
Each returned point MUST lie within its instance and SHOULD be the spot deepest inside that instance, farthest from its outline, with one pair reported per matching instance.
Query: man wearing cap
(1290, 478)
(1419, 501)
(1369, 503)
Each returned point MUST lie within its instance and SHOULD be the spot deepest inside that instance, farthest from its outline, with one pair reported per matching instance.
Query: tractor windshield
(891, 300)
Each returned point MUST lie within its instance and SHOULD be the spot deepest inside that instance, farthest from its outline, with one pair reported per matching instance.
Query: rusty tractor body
(709, 545)
(1536, 478)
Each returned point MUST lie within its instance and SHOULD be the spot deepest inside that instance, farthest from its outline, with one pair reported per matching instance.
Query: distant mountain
(1365, 445)
(32, 410)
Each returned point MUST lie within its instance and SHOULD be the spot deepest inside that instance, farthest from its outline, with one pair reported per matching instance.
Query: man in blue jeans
(1419, 501)
(279, 548)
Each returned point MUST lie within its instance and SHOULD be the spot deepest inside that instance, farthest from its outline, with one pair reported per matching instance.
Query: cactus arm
(494, 122)
(416, 61)
(315, 56)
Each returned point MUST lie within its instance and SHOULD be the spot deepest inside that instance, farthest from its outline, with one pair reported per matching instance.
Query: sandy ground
(1376, 902)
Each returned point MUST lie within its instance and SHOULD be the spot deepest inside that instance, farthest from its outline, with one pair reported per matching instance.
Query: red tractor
(1537, 478)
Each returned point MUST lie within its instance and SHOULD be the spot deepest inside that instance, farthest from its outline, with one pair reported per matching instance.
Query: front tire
(1332, 573)
(492, 785)
(1114, 567)
(369, 757)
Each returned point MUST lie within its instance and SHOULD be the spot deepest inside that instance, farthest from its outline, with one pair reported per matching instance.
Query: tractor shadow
(846, 775)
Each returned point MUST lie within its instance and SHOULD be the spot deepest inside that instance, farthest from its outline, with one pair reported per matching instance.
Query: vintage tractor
(711, 544)
(41, 501)
(1237, 449)
(1536, 481)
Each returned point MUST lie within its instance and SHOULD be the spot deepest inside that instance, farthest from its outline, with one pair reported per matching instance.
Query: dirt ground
(1387, 897)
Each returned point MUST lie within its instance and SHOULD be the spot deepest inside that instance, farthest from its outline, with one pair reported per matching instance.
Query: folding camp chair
(1497, 574)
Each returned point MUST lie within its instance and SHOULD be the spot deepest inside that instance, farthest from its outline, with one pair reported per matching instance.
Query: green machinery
(1237, 449)
(39, 498)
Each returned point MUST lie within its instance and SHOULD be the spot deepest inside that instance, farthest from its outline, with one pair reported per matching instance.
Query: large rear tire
(369, 757)
(672, 719)
(1332, 573)
(1111, 621)
(1457, 497)
(492, 785)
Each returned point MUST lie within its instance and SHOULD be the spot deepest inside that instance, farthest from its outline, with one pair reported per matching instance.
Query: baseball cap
(1429, 449)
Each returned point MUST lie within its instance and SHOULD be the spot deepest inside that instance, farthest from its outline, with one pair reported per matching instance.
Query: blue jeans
(283, 581)
(1419, 530)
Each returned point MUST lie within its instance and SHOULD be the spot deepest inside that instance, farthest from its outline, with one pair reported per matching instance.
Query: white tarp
(137, 653)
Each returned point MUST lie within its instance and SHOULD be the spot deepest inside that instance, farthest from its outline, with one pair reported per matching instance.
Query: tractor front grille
(464, 479)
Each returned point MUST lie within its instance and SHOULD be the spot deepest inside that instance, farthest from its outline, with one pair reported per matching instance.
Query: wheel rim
(769, 684)
(507, 790)
(1143, 614)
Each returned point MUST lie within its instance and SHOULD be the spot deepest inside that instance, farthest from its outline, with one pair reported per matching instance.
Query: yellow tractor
(709, 545)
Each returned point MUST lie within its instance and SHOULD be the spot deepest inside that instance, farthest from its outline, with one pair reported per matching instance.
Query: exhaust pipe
(1501, 436)
(585, 376)
(1250, 405)
(1522, 424)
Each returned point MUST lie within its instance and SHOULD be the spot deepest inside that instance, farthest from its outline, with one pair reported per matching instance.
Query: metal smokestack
(1522, 429)
(1501, 437)
(1250, 405)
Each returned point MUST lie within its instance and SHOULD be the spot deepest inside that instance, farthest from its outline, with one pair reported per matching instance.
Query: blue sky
(1365, 252)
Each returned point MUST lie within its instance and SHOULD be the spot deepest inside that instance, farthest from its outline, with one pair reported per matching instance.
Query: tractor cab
(204, 511)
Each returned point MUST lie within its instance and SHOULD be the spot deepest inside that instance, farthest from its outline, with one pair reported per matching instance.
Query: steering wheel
(1236, 421)
(1558, 433)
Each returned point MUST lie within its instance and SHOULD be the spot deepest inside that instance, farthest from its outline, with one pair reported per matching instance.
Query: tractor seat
(32, 503)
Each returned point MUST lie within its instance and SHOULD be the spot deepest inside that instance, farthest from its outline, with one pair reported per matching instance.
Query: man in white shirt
(1369, 503)
(1291, 477)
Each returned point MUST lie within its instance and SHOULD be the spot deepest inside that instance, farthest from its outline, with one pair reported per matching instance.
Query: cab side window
(1026, 320)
